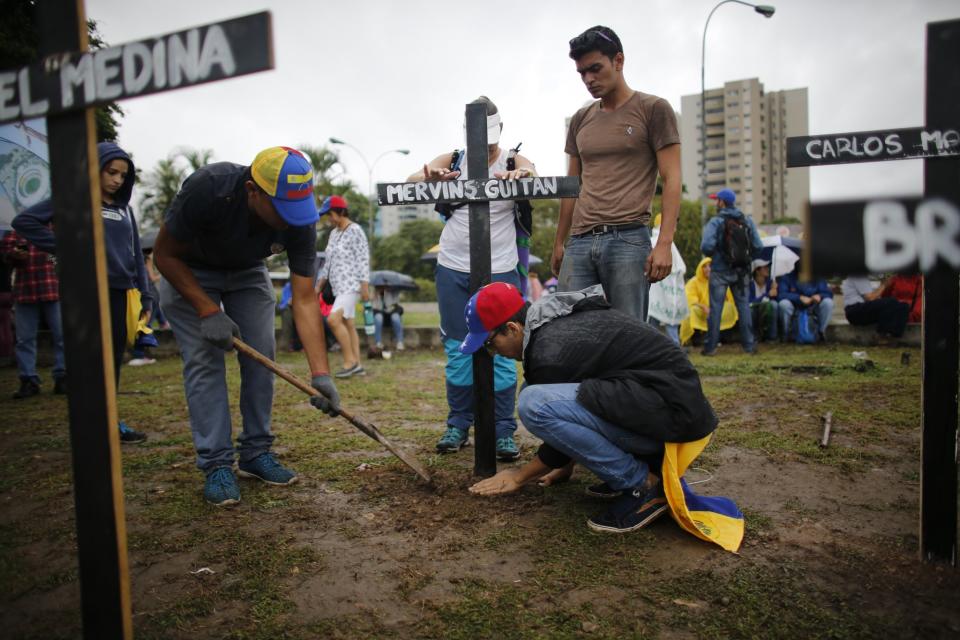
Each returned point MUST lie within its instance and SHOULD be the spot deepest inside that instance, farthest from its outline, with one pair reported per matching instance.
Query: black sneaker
(631, 511)
(130, 436)
(27, 388)
(60, 386)
(602, 490)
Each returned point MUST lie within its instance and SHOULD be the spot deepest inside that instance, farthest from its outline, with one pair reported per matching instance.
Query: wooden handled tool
(359, 423)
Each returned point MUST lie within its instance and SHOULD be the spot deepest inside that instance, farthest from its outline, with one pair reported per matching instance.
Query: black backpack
(736, 243)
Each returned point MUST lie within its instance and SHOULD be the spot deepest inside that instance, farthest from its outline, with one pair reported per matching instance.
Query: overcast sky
(384, 75)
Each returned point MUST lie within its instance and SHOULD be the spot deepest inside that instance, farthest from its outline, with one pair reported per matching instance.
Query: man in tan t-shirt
(617, 146)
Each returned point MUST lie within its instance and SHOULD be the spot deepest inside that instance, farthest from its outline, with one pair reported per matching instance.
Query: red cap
(333, 202)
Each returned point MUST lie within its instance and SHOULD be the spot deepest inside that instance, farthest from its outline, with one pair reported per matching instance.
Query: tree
(158, 189)
(159, 186)
(545, 215)
(196, 158)
(20, 40)
(402, 251)
(327, 171)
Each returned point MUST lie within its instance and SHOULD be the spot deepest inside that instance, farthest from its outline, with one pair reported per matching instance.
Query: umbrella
(783, 254)
(431, 254)
(392, 280)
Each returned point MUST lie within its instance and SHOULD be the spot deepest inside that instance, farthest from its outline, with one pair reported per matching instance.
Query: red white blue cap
(332, 202)
(489, 308)
(287, 177)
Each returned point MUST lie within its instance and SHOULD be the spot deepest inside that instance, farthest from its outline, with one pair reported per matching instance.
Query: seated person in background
(814, 296)
(386, 303)
(909, 290)
(763, 301)
(863, 304)
(698, 300)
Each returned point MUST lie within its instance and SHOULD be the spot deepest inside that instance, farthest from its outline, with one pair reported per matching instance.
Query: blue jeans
(247, 297)
(822, 310)
(551, 412)
(738, 283)
(395, 321)
(453, 293)
(615, 260)
(27, 323)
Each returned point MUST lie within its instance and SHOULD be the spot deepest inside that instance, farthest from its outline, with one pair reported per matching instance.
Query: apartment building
(746, 132)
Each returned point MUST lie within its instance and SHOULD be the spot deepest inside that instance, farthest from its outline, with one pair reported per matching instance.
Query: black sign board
(909, 235)
(70, 81)
(873, 146)
(479, 190)
(883, 236)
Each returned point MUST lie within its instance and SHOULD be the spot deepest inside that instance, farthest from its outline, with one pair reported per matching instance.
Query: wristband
(320, 373)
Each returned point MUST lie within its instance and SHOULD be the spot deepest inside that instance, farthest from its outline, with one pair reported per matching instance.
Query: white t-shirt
(455, 239)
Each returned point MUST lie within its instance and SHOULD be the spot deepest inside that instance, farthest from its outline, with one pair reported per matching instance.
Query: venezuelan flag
(711, 518)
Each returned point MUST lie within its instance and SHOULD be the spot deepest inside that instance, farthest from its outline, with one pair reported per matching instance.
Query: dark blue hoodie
(125, 267)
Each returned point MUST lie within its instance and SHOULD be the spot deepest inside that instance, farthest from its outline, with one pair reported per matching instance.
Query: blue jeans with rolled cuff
(551, 412)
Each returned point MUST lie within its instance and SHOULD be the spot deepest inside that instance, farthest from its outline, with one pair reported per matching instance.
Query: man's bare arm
(306, 317)
(660, 260)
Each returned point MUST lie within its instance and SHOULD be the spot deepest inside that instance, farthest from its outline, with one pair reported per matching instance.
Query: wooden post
(941, 302)
(98, 485)
(484, 429)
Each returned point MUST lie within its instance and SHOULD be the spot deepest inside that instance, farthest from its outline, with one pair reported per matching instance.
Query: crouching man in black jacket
(602, 388)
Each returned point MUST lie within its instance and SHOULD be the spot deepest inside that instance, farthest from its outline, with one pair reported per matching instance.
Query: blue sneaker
(452, 440)
(130, 436)
(507, 449)
(221, 487)
(632, 510)
(265, 467)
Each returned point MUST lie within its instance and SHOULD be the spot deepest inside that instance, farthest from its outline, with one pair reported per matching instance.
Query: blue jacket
(791, 289)
(712, 231)
(125, 266)
(765, 294)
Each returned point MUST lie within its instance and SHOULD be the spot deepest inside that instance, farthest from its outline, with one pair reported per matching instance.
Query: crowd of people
(605, 387)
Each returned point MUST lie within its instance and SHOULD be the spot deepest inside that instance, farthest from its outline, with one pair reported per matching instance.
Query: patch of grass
(778, 445)
(772, 602)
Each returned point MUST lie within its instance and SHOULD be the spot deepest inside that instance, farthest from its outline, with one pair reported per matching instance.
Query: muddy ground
(361, 549)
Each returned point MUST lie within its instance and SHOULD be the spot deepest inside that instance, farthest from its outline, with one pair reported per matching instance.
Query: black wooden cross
(909, 235)
(65, 86)
(479, 192)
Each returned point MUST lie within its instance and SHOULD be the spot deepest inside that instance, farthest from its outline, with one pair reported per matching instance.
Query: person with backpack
(732, 240)
(453, 286)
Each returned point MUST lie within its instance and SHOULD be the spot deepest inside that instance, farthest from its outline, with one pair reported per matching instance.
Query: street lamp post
(370, 168)
(766, 11)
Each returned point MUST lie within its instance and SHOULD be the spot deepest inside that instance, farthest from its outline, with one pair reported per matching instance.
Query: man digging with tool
(224, 221)
(603, 389)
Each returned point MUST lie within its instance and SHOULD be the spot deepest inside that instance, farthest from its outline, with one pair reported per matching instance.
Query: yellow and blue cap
(286, 176)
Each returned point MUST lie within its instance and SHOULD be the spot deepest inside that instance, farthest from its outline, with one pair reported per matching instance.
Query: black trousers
(889, 314)
(118, 327)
